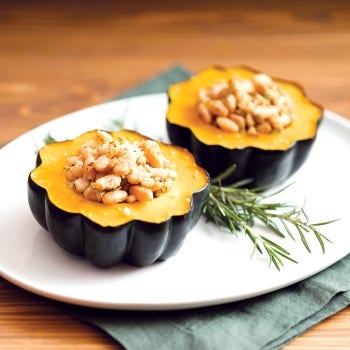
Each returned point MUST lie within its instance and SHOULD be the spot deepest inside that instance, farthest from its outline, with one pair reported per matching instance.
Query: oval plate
(212, 267)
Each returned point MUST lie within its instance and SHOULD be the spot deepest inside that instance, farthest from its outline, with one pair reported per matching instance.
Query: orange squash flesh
(50, 175)
(138, 233)
(183, 112)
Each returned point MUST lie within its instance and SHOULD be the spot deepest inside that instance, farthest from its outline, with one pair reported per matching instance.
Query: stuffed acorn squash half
(265, 126)
(119, 196)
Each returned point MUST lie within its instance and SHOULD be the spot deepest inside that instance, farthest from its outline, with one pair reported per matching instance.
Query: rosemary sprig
(238, 209)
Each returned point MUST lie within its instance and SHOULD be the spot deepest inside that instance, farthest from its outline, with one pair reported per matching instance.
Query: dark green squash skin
(137, 243)
(264, 168)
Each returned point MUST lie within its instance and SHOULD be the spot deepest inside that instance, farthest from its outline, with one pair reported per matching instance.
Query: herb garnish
(238, 209)
(49, 139)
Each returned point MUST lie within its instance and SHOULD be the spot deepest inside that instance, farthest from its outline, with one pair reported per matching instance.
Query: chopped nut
(204, 113)
(250, 120)
(230, 102)
(265, 112)
(107, 183)
(117, 171)
(102, 163)
(80, 184)
(264, 128)
(238, 119)
(217, 108)
(227, 124)
(252, 131)
(256, 105)
(116, 196)
(261, 82)
(281, 121)
(141, 194)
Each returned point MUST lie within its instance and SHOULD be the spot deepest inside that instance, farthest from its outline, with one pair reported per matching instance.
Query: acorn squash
(267, 159)
(138, 233)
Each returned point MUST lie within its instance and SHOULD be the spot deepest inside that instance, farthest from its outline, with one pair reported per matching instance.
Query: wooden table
(60, 57)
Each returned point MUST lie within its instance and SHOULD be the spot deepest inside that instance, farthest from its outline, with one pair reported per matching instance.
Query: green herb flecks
(238, 209)
(49, 139)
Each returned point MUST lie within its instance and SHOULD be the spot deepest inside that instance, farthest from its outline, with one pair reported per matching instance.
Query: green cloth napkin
(267, 322)
(158, 84)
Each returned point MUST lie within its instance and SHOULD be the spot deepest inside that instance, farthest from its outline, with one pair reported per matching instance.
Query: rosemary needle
(238, 209)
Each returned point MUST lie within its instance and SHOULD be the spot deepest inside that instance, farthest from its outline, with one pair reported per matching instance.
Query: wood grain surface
(57, 57)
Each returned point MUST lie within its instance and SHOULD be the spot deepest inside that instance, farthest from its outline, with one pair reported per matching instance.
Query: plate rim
(138, 306)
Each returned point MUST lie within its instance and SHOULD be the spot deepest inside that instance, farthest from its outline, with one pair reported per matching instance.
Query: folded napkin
(267, 322)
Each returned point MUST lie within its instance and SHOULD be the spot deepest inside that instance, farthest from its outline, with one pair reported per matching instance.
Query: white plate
(212, 267)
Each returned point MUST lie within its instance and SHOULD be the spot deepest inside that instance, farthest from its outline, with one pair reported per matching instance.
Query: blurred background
(56, 57)
(60, 56)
